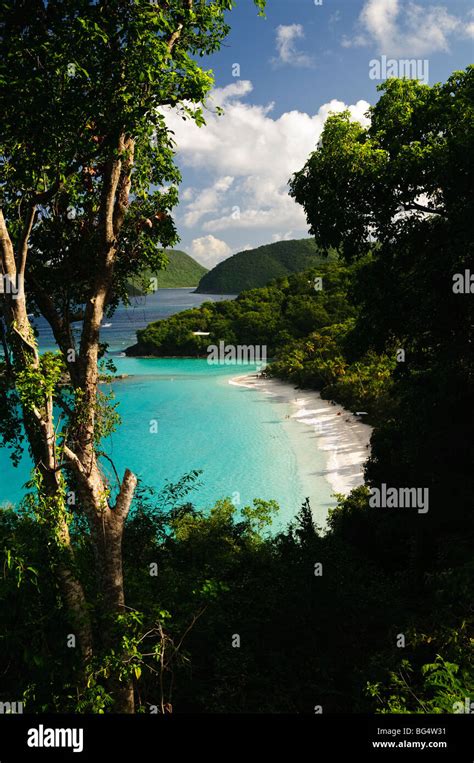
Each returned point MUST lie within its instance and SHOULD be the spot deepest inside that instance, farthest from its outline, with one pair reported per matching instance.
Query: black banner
(113, 737)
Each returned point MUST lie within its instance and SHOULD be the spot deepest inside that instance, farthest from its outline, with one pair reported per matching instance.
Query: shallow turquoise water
(179, 415)
(233, 434)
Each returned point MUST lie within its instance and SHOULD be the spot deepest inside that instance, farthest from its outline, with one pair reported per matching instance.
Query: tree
(403, 184)
(88, 181)
(414, 157)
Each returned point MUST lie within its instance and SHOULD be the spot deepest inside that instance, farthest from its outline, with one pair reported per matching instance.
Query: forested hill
(257, 267)
(181, 271)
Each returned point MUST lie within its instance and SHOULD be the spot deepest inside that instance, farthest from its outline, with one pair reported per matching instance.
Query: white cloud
(222, 95)
(207, 201)
(260, 218)
(188, 194)
(209, 250)
(469, 28)
(398, 28)
(260, 153)
(282, 236)
(288, 53)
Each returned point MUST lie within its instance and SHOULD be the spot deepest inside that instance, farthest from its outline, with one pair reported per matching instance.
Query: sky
(277, 80)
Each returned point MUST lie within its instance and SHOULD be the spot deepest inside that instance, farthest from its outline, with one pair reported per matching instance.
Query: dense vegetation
(180, 270)
(310, 636)
(256, 267)
(287, 308)
(376, 614)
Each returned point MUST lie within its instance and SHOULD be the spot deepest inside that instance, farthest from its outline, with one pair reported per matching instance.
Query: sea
(182, 415)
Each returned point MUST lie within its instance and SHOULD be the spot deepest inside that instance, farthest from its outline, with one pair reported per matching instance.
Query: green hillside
(287, 309)
(256, 267)
(182, 270)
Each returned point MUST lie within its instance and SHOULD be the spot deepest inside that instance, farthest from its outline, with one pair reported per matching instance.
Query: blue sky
(296, 66)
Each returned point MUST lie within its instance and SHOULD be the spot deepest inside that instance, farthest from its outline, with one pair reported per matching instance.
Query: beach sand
(316, 426)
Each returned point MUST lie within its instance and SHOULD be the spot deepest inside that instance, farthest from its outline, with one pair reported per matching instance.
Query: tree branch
(104, 455)
(124, 498)
(25, 236)
(123, 189)
(73, 459)
(61, 332)
(8, 255)
(432, 211)
(177, 33)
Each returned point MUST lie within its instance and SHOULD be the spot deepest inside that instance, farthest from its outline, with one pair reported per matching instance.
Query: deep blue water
(119, 331)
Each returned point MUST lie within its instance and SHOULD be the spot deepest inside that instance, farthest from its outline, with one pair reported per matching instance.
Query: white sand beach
(314, 426)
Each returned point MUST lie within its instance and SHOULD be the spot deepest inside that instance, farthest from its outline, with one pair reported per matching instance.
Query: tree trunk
(106, 522)
(114, 601)
(107, 525)
(41, 436)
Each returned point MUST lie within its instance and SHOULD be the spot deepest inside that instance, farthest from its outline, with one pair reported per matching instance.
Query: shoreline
(318, 426)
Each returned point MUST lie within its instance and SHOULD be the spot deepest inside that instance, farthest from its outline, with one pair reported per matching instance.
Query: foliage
(441, 688)
(305, 639)
(256, 267)
(285, 308)
(397, 181)
(181, 270)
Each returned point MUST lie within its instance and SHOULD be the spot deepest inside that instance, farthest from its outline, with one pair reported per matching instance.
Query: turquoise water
(179, 415)
(233, 434)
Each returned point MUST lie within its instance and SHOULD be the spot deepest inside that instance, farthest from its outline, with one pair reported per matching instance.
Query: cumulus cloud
(287, 49)
(209, 250)
(400, 28)
(222, 95)
(260, 153)
(207, 201)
